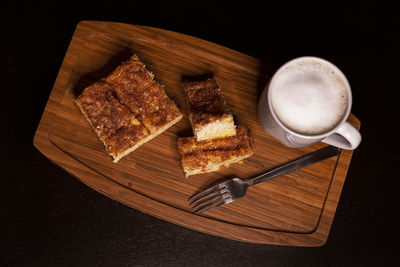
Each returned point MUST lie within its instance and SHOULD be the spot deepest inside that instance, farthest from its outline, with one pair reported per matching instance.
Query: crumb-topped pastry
(208, 155)
(127, 108)
(207, 113)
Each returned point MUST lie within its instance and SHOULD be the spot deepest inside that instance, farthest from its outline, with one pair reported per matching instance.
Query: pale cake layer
(190, 145)
(207, 113)
(128, 108)
(218, 126)
(209, 155)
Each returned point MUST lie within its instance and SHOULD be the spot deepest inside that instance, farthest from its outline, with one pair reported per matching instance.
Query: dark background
(49, 218)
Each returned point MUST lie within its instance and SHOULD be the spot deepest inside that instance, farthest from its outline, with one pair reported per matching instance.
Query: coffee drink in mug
(306, 101)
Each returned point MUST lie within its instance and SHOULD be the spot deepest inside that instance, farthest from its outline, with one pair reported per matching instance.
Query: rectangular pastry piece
(207, 113)
(128, 108)
(207, 156)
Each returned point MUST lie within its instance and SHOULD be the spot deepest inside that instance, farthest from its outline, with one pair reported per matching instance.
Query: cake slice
(209, 155)
(207, 113)
(136, 88)
(128, 108)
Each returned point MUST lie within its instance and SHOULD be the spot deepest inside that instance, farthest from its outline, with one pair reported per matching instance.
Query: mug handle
(346, 137)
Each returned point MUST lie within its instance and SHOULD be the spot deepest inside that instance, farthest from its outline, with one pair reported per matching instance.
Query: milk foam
(309, 97)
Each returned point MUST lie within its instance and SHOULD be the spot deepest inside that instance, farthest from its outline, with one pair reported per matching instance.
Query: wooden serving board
(296, 209)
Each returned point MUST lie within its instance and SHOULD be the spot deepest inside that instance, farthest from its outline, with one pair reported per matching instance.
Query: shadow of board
(101, 73)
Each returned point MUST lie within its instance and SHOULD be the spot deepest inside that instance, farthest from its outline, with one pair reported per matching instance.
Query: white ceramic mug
(300, 76)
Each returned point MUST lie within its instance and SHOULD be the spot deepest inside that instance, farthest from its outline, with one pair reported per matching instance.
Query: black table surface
(49, 218)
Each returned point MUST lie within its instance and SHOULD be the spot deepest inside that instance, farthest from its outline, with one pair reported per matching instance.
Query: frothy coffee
(309, 97)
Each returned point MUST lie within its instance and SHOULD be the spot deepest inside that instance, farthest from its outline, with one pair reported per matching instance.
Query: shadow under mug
(343, 135)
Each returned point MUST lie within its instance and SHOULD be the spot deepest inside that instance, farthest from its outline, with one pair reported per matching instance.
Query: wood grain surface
(295, 209)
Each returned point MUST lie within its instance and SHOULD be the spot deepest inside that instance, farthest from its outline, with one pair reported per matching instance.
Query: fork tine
(205, 192)
(211, 201)
(227, 200)
(208, 196)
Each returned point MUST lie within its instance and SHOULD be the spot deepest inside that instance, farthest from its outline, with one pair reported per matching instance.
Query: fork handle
(307, 160)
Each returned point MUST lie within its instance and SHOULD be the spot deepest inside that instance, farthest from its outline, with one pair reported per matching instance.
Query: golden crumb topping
(137, 90)
(103, 109)
(203, 100)
(125, 138)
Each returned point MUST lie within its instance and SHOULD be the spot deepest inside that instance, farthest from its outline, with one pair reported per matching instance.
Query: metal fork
(236, 188)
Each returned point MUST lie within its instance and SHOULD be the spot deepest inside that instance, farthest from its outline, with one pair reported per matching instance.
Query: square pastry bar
(127, 108)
